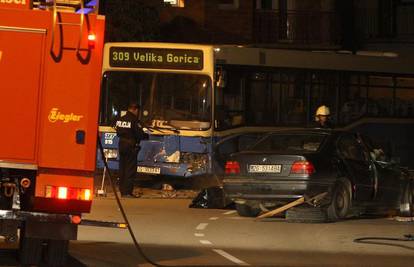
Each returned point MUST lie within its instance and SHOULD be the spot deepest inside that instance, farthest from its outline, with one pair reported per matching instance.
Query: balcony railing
(296, 27)
(373, 28)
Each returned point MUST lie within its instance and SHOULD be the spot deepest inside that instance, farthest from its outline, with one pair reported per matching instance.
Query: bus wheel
(30, 250)
(57, 252)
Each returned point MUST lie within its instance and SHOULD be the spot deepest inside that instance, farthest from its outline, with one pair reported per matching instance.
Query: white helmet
(322, 111)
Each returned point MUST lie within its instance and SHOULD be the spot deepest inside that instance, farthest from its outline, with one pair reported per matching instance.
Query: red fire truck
(50, 64)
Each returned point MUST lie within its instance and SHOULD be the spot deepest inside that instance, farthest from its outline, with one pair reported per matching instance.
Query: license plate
(265, 168)
(150, 170)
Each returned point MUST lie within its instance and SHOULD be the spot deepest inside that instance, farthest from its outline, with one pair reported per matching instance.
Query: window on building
(380, 96)
(404, 97)
(228, 4)
(353, 98)
(266, 4)
(174, 3)
(323, 91)
(294, 93)
(386, 18)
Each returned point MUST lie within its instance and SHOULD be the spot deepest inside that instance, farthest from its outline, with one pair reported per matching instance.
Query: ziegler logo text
(55, 115)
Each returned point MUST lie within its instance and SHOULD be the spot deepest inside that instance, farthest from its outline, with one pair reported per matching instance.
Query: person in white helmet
(322, 117)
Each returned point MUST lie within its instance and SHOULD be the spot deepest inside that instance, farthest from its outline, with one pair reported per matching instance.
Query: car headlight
(110, 153)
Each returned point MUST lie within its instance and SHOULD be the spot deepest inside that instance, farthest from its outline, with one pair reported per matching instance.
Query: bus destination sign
(156, 58)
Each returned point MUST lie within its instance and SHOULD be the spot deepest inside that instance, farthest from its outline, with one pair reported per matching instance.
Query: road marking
(229, 212)
(201, 226)
(230, 257)
(213, 218)
(199, 234)
(205, 242)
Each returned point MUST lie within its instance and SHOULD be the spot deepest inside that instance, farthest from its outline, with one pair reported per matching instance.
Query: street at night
(236, 133)
(170, 233)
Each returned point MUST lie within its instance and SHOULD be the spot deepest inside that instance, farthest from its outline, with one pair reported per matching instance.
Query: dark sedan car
(286, 165)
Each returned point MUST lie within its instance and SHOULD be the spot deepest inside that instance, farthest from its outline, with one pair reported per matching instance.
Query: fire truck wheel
(30, 250)
(57, 252)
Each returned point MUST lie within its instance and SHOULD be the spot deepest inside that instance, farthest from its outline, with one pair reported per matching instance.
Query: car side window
(349, 148)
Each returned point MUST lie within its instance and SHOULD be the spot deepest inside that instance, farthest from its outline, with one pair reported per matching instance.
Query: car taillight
(302, 167)
(232, 167)
(61, 192)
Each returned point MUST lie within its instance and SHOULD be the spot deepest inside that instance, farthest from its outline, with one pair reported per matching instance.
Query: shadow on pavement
(8, 257)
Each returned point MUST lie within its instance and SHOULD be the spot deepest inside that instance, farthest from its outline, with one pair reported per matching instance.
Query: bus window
(230, 100)
(176, 98)
(117, 91)
(258, 109)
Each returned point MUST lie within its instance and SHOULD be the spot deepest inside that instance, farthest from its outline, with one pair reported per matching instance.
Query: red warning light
(91, 40)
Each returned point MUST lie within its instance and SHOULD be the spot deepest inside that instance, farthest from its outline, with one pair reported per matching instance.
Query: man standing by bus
(130, 134)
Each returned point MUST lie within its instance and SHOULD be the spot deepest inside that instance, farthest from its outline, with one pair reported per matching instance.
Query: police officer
(130, 134)
(322, 117)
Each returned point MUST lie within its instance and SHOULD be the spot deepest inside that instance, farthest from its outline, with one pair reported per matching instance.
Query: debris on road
(292, 204)
(211, 198)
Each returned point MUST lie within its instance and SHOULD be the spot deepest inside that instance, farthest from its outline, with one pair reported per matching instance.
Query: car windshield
(289, 142)
(168, 100)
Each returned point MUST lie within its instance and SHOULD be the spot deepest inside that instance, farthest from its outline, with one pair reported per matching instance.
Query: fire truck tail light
(61, 192)
(49, 191)
(86, 193)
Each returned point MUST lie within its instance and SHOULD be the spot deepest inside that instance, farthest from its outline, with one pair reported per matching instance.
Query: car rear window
(289, 142)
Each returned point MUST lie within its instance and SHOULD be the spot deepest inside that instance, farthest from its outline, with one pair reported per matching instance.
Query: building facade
(304, 24)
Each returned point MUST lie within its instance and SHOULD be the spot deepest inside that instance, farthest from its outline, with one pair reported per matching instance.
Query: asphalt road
(170, 233)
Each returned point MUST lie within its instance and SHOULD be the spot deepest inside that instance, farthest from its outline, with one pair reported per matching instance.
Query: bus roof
(322, 60)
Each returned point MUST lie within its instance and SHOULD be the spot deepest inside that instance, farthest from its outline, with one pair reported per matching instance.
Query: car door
(358, 166)
(388, 182)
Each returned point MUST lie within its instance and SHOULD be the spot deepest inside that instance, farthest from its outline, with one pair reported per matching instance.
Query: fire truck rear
(50, 63)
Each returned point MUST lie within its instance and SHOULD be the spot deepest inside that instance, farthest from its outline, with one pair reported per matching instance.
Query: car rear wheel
(247, 210)
(341, 199)
(407, 201)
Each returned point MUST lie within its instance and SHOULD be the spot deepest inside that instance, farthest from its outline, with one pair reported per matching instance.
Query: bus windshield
(178, 100)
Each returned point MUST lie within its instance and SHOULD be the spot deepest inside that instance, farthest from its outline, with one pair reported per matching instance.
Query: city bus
(200, 103)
